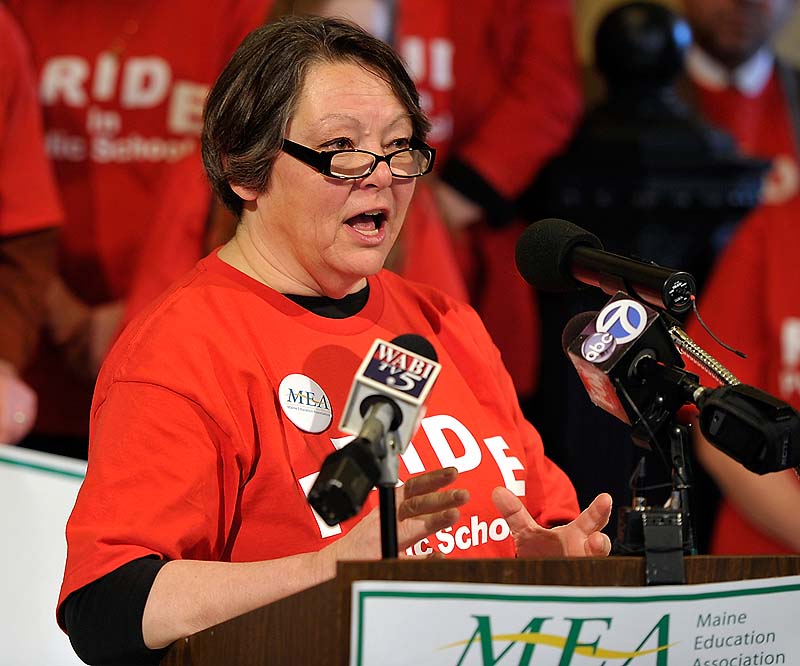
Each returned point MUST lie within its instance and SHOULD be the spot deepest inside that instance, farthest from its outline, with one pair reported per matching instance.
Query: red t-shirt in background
(122, 85)
(499, 80)
(28, 199)
(501, 84)
(753, 298)
(752, 302)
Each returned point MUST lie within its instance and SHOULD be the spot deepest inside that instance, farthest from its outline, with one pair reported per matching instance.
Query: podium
(313, 626)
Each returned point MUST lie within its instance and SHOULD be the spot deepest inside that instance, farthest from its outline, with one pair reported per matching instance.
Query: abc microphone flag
(396, 372)
(606, 350)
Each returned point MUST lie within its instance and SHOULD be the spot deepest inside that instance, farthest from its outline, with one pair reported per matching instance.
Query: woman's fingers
(413, 530)
(513, 510)
(598, 545)
(427, 508)
(421, 505)
(580, 537)
(423, 495)
(429, 482)
(595, 516)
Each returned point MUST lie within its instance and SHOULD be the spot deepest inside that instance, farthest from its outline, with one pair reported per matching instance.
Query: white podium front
(37, 493)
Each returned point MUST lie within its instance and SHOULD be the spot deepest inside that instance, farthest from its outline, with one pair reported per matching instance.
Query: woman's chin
(366, 261)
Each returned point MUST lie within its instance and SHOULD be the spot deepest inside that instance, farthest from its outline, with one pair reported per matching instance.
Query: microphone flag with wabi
(402, 371)
(383, 409)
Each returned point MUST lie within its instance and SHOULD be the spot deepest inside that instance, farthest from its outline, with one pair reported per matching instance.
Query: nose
(380, 178)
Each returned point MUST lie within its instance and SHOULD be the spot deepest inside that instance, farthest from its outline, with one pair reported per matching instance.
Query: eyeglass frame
(320, 160)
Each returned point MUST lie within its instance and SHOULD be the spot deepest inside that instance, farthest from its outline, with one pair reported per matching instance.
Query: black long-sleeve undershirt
(104, 618)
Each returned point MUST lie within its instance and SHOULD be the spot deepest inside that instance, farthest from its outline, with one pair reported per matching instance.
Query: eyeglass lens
(355, 163)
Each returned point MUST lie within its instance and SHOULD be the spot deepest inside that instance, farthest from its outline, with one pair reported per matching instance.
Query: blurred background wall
(589, 12)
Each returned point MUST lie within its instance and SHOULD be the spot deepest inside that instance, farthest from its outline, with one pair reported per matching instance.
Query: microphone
(556, 255)
(607, 348)
(392, 384)
(383, 410)
(634, 373)
(754, 428)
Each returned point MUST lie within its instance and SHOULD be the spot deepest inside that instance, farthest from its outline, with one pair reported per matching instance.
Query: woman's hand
(423, 507)
(191, 595)
(580, 538)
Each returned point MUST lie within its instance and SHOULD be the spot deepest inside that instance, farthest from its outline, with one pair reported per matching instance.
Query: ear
(244, 192)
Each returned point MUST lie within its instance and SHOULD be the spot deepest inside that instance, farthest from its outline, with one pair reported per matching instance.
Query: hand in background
(458, 211)
(84, 333)
(17, 406)
(105, 321)
(580, 538)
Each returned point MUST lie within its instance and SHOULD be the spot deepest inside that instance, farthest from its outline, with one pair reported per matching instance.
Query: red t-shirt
(122, 85)
(501, 85)
(762, 128)
(28, 199)
(752, 302)
(499, 80)
(201, 448)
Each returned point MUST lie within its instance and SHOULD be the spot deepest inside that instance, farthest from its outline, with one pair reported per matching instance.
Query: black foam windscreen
(543, 253)
(416, 344)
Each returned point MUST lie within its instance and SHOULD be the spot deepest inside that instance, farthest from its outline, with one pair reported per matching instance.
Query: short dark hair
(255, 96)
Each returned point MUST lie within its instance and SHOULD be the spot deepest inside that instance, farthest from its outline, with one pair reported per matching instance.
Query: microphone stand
(682, 480)
(385, 450)
(387, 460)
(664, 534)
(348, 476)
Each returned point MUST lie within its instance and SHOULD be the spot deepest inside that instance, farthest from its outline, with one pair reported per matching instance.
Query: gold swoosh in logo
(560, 642)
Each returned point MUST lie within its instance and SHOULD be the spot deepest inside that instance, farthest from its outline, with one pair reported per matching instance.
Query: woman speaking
(194, 506)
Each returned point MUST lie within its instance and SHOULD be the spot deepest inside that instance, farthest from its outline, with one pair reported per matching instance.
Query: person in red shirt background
(27, 234)
(751, 300)
(739, 84)
(122, 85)
(502, 85)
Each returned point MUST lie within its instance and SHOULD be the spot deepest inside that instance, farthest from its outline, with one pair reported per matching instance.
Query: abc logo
(598, 347)
(624, 319)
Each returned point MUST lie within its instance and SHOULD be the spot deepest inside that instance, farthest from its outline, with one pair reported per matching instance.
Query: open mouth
(368, 223)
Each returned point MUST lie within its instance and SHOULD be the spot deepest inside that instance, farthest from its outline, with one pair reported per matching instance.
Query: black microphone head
(416, 344)
(543, 252)
(345, 479)
(575, 326)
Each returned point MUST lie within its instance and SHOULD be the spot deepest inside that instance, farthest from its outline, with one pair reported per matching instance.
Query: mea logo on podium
(735, 623)
(533, 634)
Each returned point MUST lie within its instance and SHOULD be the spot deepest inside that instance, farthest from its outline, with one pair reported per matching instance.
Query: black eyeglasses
(411, 162)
